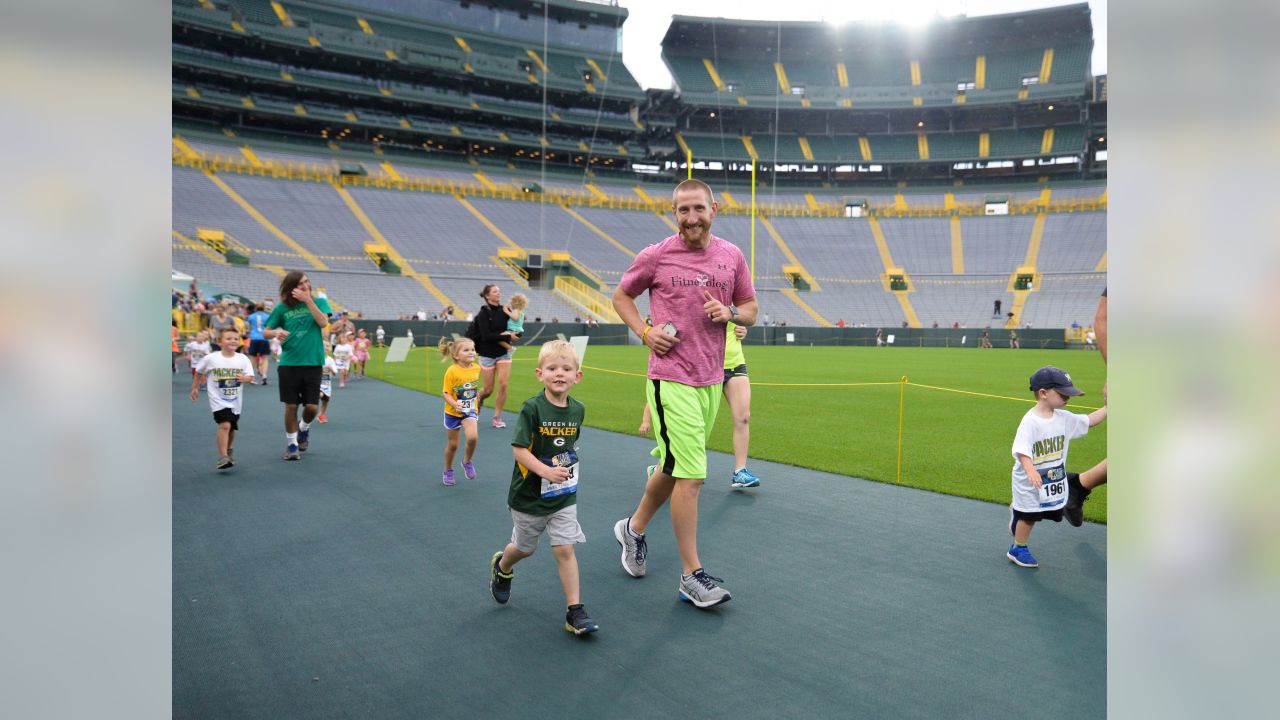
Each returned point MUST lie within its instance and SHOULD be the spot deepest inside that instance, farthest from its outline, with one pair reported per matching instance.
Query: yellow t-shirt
(733, 356)
(464, 385)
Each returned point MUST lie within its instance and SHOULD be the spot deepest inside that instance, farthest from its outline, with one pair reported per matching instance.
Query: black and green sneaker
(1076, 495)
(499, 582)
(578, 622)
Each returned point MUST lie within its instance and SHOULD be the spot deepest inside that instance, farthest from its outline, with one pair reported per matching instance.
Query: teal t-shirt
(551, 434)
(305, 344)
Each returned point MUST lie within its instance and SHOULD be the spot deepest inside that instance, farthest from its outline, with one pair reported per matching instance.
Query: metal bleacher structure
(446, 138)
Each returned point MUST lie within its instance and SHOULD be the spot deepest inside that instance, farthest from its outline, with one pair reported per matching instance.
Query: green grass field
(952, 443)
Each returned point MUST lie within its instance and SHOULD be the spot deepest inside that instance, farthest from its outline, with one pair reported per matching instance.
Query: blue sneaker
(744, 479)
(1021, 556)
(304, 437)
(291, 452)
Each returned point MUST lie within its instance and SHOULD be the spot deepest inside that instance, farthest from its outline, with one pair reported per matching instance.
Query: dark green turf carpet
(352, 584)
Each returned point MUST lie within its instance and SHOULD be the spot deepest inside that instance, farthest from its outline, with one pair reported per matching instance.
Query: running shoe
(497, 422)
(701, 589)
(499, 582)
(744, 479)
(225, 462)
(322, 418)
(469, 470)
(1021, 556)
(291, 452)
(304, 440)
(633, 549)
(1076, 495)
(578, 622)
(448, 477)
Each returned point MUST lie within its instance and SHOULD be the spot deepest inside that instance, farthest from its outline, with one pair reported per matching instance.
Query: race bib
(229, 388)
(566, 460)
(1053, 493)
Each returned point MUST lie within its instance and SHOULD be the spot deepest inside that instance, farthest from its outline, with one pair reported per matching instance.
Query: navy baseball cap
(1052, 378)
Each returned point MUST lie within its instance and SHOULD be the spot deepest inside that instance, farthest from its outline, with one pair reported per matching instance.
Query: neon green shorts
(682, 417)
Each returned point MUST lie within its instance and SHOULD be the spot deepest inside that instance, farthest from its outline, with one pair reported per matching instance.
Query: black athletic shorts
(299, 384)
(258, 348)
(740, 371)
(227, 415)
(1034, 517)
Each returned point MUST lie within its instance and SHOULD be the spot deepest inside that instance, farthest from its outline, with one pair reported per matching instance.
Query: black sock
(577, 605)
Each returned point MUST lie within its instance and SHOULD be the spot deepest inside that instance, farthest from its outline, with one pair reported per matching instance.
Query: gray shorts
(488, 362)
(562, 525)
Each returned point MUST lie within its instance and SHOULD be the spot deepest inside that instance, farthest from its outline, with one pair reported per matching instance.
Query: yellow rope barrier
(978, 394)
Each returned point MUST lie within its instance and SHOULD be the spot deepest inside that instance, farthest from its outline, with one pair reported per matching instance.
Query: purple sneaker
(448, 477)
(469, 470)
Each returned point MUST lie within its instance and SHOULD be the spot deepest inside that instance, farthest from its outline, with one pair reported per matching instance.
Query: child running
(360, 355)
(327, 371)
(544, 483)
(342, 358)
(224, 372)
(196, 348)
(515, 318)
(1040, 458)
(461, 386)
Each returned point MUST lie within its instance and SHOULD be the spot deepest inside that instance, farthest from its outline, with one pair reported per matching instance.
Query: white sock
(631, 532)
(292, 437)
(304, 426)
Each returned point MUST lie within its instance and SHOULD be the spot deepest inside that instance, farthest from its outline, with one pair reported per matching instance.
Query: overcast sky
(648, 20)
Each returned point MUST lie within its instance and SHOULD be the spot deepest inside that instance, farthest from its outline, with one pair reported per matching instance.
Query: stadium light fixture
(1050, 107)
(713, 113)
(919, 123)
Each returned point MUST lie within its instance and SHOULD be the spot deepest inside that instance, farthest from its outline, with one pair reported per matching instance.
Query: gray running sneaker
(633, 549)
(701, 589)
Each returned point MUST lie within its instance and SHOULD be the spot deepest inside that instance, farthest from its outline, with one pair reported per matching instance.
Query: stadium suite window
(1030, 80)
(963, 86)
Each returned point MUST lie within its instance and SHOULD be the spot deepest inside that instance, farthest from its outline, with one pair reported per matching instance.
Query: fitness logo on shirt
(701, 280)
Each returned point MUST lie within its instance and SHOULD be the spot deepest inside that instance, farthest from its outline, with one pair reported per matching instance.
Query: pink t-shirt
(676, 277)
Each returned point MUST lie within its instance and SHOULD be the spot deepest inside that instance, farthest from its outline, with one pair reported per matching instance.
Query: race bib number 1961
(566, 460)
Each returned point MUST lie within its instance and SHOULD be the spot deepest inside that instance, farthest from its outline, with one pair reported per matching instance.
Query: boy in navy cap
(1040, 457)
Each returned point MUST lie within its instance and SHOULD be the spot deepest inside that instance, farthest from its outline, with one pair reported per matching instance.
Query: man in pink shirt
(696, 283)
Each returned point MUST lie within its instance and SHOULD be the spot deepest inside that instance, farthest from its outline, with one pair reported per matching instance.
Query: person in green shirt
(544, 483)
(298, 322)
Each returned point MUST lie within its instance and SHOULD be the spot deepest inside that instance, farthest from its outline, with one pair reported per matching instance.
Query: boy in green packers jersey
(544, 484)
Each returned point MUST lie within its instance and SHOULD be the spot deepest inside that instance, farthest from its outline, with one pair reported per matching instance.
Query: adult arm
(1100, 326)
(654, 339)
(484, 322)
(719, 312)
(316, 313)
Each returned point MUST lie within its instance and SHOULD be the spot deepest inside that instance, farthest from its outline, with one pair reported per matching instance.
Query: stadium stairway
(957, 247)
(201, 247)
(882, 246)
(405, 268)
(316, 263)
(1020, 297)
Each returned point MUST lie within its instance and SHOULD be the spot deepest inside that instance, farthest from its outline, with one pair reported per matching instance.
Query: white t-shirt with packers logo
(220, 373)
(197, 350)
(342, 355)
(327, 371)
(1045, 441)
